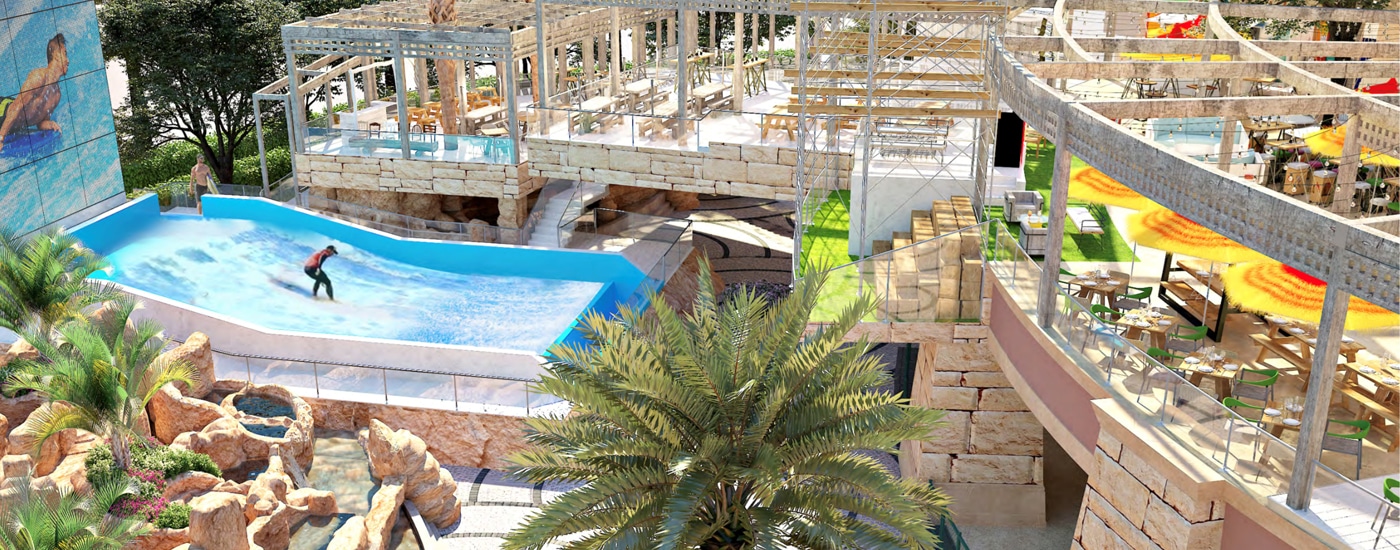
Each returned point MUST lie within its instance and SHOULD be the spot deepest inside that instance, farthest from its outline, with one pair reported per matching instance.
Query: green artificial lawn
(824, 246)
(1108, 247)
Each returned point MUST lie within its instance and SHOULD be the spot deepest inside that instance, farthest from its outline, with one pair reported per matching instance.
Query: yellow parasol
(1329, 142)
(1087, 183)
(1272, 287)
(1166, 230)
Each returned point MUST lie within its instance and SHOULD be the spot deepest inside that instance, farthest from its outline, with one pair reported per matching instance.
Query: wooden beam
(902, 93)
(848, 38)
(916, 51)
(862, 75)
(952, 7)
(854, 110)
(1226, 107)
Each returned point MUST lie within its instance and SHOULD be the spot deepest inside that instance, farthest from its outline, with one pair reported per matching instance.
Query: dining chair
(1071, 282)
(1169, 377)
(1232, 404)
(1136, 299)
(374, 128)
(1166, 357)
(1348, 443)
(1106, 328)
(1261, 389)
(1186, 339)
(1391, 505)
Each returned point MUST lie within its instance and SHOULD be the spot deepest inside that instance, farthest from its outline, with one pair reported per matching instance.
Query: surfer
(313, 270)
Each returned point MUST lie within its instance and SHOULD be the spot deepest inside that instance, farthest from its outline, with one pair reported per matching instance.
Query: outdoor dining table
(1201, 365)
(477, 118)
(1386, 376)
(1307, 338)
(1155, 323)
(1101, 285)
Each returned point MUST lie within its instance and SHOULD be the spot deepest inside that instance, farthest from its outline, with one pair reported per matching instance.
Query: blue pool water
(442, 293)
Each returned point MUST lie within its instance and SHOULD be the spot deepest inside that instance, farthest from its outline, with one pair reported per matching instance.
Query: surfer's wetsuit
(313, 270)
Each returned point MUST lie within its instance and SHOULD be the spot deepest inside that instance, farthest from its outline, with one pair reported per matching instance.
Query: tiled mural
(58, 145)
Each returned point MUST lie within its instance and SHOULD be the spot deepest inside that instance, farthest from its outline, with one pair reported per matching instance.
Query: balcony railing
(1236, 447)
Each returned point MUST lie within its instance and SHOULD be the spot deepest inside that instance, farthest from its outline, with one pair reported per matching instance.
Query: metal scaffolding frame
(913, 87)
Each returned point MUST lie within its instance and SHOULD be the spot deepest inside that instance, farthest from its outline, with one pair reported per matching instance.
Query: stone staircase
(937, 280)
(562, 200)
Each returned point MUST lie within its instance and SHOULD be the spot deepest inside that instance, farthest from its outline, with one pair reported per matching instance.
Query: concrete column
(420, 80)
(614, 53)
(588, 59)
(772, 38)
(1227, 133)
(1319, 398)
(713, 22)
(1347, 167)
(401, 97)
(738, 91)
(1055, 240)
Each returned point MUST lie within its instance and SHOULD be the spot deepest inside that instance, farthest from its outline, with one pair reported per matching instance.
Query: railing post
(384, 375)
(249, 368)
(316, 378)
(456, 403)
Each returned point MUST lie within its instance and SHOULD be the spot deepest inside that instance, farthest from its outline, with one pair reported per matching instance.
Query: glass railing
(391, 386)
(387, 143)
(656, 245)
(1242, 450)
(934, 280)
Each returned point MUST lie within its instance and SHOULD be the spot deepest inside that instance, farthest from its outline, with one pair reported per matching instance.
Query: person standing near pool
(201, 182)
(313, 270)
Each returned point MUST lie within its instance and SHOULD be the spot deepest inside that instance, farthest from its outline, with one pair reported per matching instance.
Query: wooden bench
(1084, 221)
(1268, 346)
(711, 96)
(1377, 413)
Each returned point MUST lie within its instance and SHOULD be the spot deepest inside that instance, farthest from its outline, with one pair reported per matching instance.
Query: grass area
(825, 245)
(1108, 247)
(826, 242)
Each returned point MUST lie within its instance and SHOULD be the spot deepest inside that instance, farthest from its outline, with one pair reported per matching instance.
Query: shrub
(149, 456)
(149, 500)
(174, 516)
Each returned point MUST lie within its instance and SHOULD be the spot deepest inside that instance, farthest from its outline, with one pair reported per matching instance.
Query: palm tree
(106, 370)
(43, 280)
(725, 428)
(64, 519)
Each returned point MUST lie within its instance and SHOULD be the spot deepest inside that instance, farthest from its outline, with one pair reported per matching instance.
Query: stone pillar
(513, 211)
(772, 39)
(713, 22)
(1055, 240)
(988, 455)
(738, 92)
(1317, 405)
(1347, 167)
(614, 53)
(561, 56)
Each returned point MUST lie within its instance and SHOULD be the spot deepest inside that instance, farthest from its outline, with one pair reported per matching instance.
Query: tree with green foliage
(69, 520)
(105, 369)
(1337, 31)
(192, 67)
(725, 428)
(43, 280)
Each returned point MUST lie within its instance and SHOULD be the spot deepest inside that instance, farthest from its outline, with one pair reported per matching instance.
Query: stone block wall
(511, 184)
(758, 171)
(1130, 504)
(989, 435)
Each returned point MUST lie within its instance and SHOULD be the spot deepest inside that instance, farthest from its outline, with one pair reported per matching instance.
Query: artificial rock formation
(217, 522)
(229, 444)
(197, 353)
(18, 409)
(4, 430)
(402, 458)
(173, 413)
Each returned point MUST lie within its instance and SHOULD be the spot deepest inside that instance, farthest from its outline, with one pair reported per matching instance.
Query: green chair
(1349, 443)
(1245, 429)
(1104, 313)
(1186, 339)
(1072, 281)
(1109, 327)
(1166, 357)
(1136, 298)
(1261, 389)
(1392, 504)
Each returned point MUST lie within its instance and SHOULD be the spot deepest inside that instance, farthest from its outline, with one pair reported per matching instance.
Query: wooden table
(600, 109)
(711, 96)
(1259, 132)
(1223, 378)
(781, 119)
(662, 120)
(477, 118)
(640, 93)
(1303, 335)
(1154, 328)
(1100, 287)
(1379, 372)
